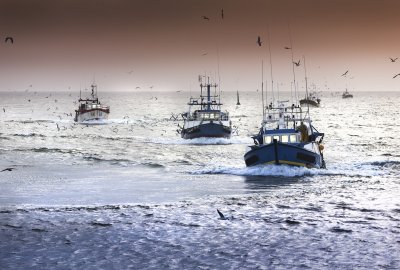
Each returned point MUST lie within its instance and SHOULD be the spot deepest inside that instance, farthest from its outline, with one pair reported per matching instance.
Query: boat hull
(281, 153)
(91, 116)
(208, 130)
(304, 102)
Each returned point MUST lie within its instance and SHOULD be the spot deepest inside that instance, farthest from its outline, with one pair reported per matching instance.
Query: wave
(289, 171)
(28, 135)
(202, 141)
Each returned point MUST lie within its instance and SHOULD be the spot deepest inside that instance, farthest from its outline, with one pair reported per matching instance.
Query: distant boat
(346, 94)
(207, 120)
(312, 99)
(238, 102)
(90, 109)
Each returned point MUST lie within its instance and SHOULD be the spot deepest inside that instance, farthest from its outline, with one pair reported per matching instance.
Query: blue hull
(281, 153)
(209, 130)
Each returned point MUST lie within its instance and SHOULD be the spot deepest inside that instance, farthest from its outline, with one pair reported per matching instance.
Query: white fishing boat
(90, 110)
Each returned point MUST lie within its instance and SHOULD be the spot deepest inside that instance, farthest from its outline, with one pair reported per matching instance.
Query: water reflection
(269, 182)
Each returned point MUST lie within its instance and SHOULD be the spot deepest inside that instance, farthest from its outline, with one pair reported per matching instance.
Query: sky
(163, 45)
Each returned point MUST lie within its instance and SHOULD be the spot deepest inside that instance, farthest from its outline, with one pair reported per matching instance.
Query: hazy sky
(61, 43)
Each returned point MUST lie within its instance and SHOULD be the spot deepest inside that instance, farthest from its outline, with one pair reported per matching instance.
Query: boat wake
(289, 171)
(202, 141)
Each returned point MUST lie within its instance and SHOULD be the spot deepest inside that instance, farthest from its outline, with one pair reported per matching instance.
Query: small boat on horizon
(346, 94)
(207, 119)
(90, 110)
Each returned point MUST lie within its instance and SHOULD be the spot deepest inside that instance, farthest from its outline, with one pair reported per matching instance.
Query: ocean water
(131, 194)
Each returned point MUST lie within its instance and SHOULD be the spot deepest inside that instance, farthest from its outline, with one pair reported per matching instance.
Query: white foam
(289, 171)
(202, 141)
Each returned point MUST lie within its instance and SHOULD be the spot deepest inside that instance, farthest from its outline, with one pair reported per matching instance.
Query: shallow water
(133, 194)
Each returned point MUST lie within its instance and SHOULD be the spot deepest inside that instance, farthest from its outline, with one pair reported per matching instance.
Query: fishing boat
(238, 101)
(90, 110)
(205, 117)
(346, 94)
(286, 136)
(310, 100)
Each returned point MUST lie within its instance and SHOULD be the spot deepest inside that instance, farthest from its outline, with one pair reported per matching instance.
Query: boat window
(267, 139)
(293, 138)
(276, 137)
(285, 138)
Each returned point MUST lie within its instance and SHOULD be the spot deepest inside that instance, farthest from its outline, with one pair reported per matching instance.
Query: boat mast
(305, 76)
(270, 63)
(262, 88)
(294, 74)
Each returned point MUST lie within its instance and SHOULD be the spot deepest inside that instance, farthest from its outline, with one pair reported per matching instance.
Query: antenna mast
(270, 63)
(262, 88)
(294, 74)
(305, 76)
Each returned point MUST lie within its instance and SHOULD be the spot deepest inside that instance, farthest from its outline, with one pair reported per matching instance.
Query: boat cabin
(288, 137)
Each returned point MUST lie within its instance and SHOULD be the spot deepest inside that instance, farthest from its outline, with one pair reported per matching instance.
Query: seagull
(4, 110)
(130, 72)
(178, 91)
(221, 215)
(393, 60)
(287, 48)
(8, 170)
(222, 13)
(205, 18)
(297, 63)
(259, 41)
(137, 87)
(344, 74)
(204, 54)
(396, 75)
(9, 39)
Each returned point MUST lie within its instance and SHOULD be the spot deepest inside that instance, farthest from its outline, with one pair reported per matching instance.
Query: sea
(132, 194)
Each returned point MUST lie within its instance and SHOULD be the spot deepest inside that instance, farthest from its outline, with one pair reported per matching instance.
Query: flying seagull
(8, 169)
(222, 13)
(396, 75)
(344, 74)
(297, 63)
(287, 48)
(205, 18)
(204, 54)
(393, 60)
(259, 41)
(9, 39)
(221, 215)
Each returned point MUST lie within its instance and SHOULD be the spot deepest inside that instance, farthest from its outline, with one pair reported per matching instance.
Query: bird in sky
(204, 54)
(393, 60)
(205, 18)
(222, 13)
(137, 87)
(259, 41)
(396, 75)
(8, 169)
(287, 48)
(9, 39)
(297, 63)
(344, 74)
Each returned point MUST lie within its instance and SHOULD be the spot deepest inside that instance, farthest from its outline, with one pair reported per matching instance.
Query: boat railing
(221, 117)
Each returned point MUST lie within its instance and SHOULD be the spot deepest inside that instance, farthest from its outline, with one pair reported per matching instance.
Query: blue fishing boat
(205, 117)
(286, 137)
